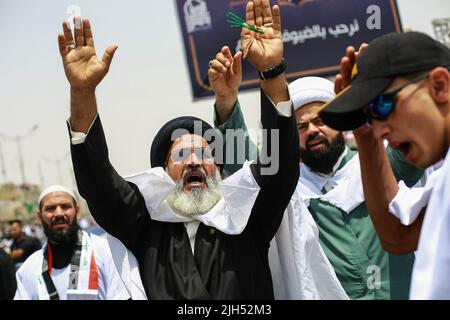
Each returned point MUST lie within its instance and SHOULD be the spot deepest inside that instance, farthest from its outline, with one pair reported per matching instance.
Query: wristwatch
(273, 72)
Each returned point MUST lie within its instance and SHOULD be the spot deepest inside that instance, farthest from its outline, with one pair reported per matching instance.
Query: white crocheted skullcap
(311, 89)
(56, 188)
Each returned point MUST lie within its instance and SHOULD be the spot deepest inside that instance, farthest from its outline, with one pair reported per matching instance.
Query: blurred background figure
(22, 245)
(7, 278)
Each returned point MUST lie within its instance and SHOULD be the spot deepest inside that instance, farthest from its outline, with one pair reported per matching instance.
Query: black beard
(323, 160)
(62, 236)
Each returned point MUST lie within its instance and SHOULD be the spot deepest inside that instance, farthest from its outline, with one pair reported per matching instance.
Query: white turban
(311, 89)
(56, 188)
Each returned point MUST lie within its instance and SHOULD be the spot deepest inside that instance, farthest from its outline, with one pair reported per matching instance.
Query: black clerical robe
(223, 266)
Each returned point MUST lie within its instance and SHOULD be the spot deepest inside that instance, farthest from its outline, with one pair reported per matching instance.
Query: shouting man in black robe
(194, 236)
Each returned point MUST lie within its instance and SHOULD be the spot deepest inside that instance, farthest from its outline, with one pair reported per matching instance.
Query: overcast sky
(148, 83)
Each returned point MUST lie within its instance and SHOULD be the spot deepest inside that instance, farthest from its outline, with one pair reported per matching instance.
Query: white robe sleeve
(409, 202)
(127, 268)
(113, 286)
(79, 137)
(300, 269)
(22, 291)
(430, 278)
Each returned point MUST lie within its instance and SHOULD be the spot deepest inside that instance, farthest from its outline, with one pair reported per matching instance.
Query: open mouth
(194, 179)
(315, 144)
(403, 147)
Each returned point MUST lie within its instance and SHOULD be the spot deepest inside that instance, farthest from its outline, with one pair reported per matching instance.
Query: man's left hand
(266, 49)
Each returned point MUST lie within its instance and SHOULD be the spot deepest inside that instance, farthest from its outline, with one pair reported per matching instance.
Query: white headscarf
(311, 89)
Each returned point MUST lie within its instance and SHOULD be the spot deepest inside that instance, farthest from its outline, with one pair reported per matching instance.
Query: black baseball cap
(387, 57)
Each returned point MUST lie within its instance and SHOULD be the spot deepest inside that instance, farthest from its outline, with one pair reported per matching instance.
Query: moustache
(316, 138)
(59, 220)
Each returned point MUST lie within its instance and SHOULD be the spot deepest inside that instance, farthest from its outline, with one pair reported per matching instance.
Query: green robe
(349, 240)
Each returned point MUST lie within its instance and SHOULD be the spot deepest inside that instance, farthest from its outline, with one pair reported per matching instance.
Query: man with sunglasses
(400, 91)
(194, 236)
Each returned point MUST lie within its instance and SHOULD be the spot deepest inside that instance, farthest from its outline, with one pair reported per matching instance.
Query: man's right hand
(81, 65)
(344, 77)
(84, 72)
(225, 72)
(225, 77)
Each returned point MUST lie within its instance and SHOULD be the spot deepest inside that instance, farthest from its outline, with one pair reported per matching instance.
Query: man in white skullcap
(330, 187)
(299, 267)
(73, 265)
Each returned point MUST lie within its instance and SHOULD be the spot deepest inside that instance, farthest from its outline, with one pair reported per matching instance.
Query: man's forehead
(56, 197)
(309, 111)
(189, 140)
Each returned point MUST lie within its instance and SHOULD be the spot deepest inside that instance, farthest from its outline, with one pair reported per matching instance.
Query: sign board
(315, 34)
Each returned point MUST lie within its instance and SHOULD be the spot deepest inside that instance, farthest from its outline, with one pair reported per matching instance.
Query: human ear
(440, 82)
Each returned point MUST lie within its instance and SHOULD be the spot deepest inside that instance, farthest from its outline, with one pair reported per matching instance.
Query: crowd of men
(314, 220)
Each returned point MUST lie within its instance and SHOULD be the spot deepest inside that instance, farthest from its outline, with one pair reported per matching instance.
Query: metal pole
(2, 159)
(58, 167)
(18, 139)
(72, 177)
(41, 174)
(22, 167)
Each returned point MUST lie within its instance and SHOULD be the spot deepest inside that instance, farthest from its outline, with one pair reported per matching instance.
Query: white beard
(197, 201)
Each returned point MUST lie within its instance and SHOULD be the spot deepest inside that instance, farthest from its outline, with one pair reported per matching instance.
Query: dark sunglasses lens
(382, 107)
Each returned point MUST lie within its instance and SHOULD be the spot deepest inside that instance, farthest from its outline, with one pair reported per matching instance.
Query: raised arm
(225, 75)
(116, 205)
(84, 71)
(379, 181)
(277, 178)
(380, 187)
(265, 51)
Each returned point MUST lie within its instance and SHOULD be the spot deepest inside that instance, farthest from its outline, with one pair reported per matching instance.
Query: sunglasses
(382, 106)
(183, 154)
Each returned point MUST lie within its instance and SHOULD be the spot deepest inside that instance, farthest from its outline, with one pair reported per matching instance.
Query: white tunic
(431, 273)
(409, 202)
(300, 268)
(111, 286)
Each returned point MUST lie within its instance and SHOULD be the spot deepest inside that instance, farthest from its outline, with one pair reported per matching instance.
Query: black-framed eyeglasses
(183, 154)
(382, 106)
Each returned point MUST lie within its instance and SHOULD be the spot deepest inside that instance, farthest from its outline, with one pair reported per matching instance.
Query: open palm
(224, 78)
(81, 65)
(266, 49)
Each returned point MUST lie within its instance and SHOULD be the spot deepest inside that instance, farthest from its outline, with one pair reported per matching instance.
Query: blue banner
(315, 34)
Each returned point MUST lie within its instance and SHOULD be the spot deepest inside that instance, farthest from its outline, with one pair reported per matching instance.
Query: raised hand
(225, 73)
(263, 50)
(81, 65)
(364, 133)
(225, 77)
(344, 77)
